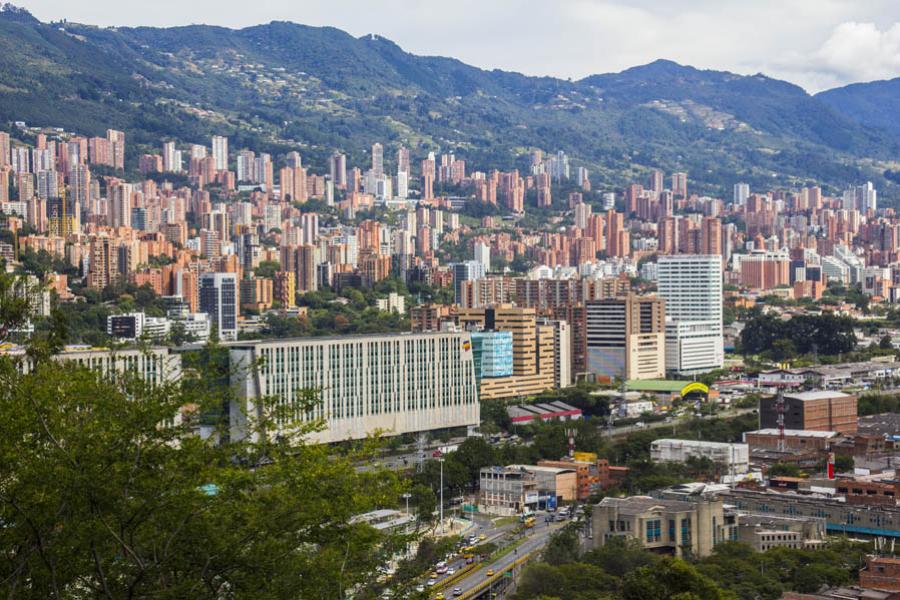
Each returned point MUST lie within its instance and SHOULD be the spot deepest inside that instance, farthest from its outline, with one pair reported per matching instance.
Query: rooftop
(697, 443)
(636, 505)
(796, 433)
(655, 385)
(887, 424)
(817, 395)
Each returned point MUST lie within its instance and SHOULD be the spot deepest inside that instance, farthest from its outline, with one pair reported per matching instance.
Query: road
(534, 540)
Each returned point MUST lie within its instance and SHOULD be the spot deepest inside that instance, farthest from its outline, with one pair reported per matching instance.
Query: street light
(441, 460)
(406, 496)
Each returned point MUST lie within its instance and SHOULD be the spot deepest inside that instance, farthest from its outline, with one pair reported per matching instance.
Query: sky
(817, 44)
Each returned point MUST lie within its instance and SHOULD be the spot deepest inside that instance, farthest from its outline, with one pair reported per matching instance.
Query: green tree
(107, 492)
(473, 454)
(267, 268)
(563, 547)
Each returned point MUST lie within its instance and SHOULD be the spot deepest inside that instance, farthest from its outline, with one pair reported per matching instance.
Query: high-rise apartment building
(378, 159)
(171, 158)
(764, 270)
(116, 140)
(691, 286)
(469, 270)
(219, 299)
(337, 166)
(741, 193)
(403, 165)
(483, 255)
(618, 240)
(220, 152)
(679, 185)
(4, 149)
(626, 337)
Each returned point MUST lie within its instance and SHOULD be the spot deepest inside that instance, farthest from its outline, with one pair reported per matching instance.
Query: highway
(474, 584)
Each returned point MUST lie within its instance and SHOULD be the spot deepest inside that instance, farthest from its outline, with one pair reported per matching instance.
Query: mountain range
(284, 86)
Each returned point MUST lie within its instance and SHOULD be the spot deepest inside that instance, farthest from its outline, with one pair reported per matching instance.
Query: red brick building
(881, 573)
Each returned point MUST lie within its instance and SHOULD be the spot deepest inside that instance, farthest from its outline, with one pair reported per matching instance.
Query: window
(653, 530)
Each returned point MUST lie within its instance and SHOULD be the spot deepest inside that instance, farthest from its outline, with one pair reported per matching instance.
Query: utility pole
(780, 410)
(441, 460)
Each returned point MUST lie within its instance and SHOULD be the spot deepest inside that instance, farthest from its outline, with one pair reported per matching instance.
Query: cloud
(815, 43)
(853, 51)
(860, 51)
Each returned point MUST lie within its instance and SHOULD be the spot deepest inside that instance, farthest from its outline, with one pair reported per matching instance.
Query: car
(450, 570)
(431, 582)
(420, 588)
(439, 596)
(489, 573)
(457, 591)
(482, 537)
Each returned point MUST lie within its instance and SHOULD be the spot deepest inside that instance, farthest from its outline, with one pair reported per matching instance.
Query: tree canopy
(106, 491)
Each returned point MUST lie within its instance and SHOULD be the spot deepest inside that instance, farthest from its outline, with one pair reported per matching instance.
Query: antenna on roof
(780, 410)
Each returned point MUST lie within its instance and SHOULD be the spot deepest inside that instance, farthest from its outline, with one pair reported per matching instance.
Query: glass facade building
(493, 353)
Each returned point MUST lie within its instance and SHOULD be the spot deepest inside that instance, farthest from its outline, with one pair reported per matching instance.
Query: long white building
(669, 450)
(391, 383)
(691, 285)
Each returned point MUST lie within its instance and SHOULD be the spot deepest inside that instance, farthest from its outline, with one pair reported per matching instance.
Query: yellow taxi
(489, 573)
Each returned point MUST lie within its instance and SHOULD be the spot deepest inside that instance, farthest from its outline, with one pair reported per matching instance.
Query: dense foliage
(782, 339)
(106, 492)
(623, 570)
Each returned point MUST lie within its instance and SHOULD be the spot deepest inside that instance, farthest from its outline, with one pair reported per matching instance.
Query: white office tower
(218, 299)
(387, 383)
(220, 152)
(691, 285)
(741, 193)
(483, 255)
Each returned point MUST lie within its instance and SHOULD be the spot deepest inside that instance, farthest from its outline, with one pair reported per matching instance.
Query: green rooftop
(655, 385)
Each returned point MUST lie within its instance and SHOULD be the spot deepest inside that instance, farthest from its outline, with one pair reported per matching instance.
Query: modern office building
(156, 365)
(817, 411)
(626, 337)
(391, 383)
(492, 352)
(132, 326)
(691, 285)
(218, 299)
(533, 356)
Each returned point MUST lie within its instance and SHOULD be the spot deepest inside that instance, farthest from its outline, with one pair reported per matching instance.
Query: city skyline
(817, 45)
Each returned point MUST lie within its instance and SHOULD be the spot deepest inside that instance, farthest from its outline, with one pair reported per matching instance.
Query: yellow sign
(585, 456)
